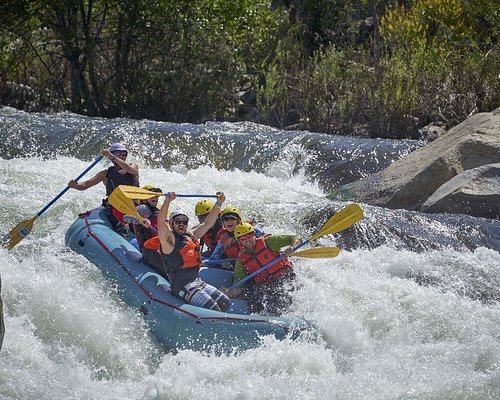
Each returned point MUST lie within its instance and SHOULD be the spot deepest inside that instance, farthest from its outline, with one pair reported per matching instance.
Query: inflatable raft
(175, 324)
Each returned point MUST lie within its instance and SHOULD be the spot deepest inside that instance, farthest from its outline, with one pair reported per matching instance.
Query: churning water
(396, 320)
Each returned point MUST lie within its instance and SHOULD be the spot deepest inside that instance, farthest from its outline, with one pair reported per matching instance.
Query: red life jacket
(154, 221)
(261, 256)
(230, 245)
(211, 238)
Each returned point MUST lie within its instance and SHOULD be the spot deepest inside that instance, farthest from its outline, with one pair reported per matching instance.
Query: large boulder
(409, 182)
(474, 192)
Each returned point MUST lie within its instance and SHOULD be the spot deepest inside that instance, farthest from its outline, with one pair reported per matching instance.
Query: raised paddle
(345, 218)
(136, 193)
(123, 204)
(23, 229)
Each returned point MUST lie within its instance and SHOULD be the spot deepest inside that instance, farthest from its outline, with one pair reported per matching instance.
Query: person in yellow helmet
(209, 239)
(269, 290)
(228, 246)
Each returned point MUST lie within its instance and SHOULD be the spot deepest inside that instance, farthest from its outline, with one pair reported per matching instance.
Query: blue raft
(175, 324)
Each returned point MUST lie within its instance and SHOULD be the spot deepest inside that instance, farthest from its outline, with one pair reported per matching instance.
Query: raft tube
(175, 324)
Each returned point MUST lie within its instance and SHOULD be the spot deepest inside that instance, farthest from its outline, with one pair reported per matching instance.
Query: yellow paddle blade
(318, 252)
(343, 219)
(122, 203)
(125, 205)
(18, 233)
(136, 193)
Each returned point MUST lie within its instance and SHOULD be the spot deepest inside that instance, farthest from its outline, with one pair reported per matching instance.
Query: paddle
(23, 229)
(125, 205)
(135, 193)
(345, 218)
(318, 252)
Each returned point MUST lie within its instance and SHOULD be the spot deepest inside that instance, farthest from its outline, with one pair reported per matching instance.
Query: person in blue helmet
(120, 173)
(181, 253)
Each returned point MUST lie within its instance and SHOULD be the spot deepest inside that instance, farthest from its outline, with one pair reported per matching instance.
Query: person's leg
(211, 298)
(201, 294)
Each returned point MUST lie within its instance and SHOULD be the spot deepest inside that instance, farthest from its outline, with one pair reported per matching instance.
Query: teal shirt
(274, 243)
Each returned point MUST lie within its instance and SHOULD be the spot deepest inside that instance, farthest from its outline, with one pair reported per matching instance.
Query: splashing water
(394, 323)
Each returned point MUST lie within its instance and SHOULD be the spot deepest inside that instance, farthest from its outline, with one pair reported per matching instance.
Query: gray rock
(409, 182)
(474, 192)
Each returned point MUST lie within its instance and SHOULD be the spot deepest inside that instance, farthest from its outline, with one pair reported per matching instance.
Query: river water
(408, 310)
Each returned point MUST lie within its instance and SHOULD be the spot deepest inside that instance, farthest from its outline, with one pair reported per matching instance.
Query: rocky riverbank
(458, 173)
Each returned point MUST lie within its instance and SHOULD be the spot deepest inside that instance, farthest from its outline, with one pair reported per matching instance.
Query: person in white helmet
(181, 252)
(120, 173)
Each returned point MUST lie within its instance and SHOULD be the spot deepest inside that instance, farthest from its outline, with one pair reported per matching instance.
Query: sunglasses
(229, 218)
(180, 221)
(119, 153)
(246, 237)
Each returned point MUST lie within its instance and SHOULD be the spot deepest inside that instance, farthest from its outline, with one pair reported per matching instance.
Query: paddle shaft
(96, 161)
(137, 193)
(194, 195)
(220, 261)
(248, 277)
(23, 229)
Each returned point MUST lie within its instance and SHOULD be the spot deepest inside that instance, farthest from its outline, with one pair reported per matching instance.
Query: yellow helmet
(231, 210)
(152, 188)
(244, 229)
(203, 207)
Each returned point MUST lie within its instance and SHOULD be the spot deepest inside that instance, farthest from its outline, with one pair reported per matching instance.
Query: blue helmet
(117, 147)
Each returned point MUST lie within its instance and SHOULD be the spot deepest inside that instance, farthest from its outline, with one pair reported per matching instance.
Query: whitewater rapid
(383, 335)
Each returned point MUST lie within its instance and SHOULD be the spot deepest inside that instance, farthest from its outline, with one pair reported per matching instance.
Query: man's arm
(165, 233)
(131, 168)
(277, 242)
(99, 177)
